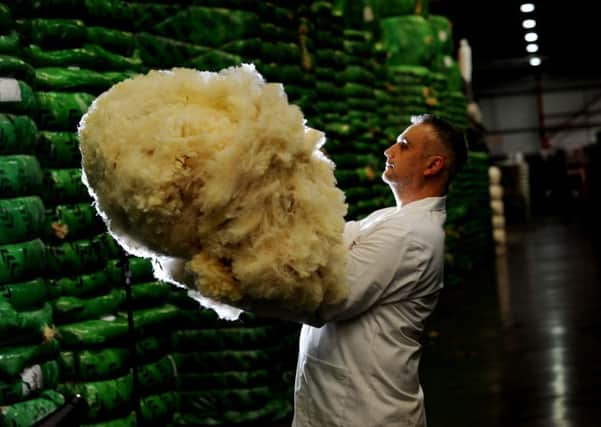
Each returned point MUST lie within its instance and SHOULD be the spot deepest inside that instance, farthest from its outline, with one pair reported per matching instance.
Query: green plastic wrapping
(76, 257)
(17, 134)
(11, 66)
(25, 295)
(222, 339)
(22, 261)
(27, 413)
(128, 421)
(93, 332)
(157, 51)
(94, 365)
(128, 15)
(88, 56)
(140, 269)
(59, 33)
(274, 32)
(274, 410)
(443, 35)
(31, 380)
(74, 79)
(358, 90)
(162, 317)
(282, 73)
(5, 18)
(281, 52)
(116, 41)
(72, 309)
(211, 27)
(24, 322)
(87, 285)
(227, 360)
(408, 40)
(218, 400)
(59, 149)
(104, 398)
(72, 221)
(61, 111)
(9, 44)
(63, 186)
(386, 8)
(331, 58)
(21, 219)
(227, 380)
(26, 103)
(20, 175)
(157, 376)
(14, 359)
(158, 409)
(109, 245)
(246, 48)
(215, 60)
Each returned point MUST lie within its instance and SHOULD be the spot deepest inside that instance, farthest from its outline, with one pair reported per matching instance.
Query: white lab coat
(358, 363)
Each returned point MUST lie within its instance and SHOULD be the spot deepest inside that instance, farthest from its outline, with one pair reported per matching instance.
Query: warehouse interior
(89, 336)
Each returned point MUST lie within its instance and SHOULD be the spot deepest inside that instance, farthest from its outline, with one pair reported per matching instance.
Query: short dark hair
(451, 138)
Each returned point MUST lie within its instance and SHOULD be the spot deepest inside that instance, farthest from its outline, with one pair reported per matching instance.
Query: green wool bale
(18, 134)
(59, 33)
(27, 413)
(22, 261)
(407, 40)
(25, 295)
(61, 111)
(13, 360)
(20, 175)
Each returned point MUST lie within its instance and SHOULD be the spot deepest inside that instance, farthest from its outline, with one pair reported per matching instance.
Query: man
(358, 360)
(358, 363)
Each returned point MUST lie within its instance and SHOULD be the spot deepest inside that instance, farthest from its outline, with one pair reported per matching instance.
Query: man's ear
(435, 165)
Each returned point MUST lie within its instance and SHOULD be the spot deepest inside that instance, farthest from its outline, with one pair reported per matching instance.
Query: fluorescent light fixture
(535, 61)
(529, 23)
(532, 47)
(527, 7)
(531, 37)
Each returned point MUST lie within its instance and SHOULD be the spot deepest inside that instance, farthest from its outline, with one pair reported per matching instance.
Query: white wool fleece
(218, 169)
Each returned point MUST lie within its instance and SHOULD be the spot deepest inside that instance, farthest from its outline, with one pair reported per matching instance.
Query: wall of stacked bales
(64, 304)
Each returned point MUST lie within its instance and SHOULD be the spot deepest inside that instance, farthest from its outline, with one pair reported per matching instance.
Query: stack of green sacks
(28, 347)
(469, 230)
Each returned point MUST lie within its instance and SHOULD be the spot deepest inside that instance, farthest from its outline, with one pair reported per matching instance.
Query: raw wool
(219, 170)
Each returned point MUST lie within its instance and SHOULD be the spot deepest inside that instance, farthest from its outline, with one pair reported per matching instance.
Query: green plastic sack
(22, 100)
(140, 269)
(25, 295)
(275, 32)
(443, 35)
(281, 52)
(163, 317)
(60, 33)
(227, 360)
(63, 186)
(158, 409)
(128, 15)
(215, 60)
(157, 51)
(21, 219)
(223, 339)
(31, 380)
(218, 400)
(24, 322)
(72, 221)
(27, 413)
(17, 134)
(73, 309)
(86, 285)
(224, 380)
(94, 365)
(20, 175)
(93, 332)
(5, 18)
(408, 40)
(104, 398)
(246, 48)
(129, 421)
(88, 56)
(58, 149)
(14, 359)
(157, 376)
(61, 111)
(9, 44)
(116, 41)
(150, 293)
(22, 261)
(76, 257)
(74, 79)
(11, 66)
(211, 27)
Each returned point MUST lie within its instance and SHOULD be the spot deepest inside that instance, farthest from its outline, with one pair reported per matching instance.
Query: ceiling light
(529, 23)
(535, 61)
(527, 7)
(532, 47)
(531, 37)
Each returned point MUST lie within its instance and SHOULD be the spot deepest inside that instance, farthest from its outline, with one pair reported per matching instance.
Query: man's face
(405, 159)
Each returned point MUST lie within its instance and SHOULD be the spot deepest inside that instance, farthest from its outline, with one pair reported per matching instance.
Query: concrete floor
(520, 344)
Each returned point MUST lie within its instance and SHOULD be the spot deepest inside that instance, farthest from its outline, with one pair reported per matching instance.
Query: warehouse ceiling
(569, 38)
